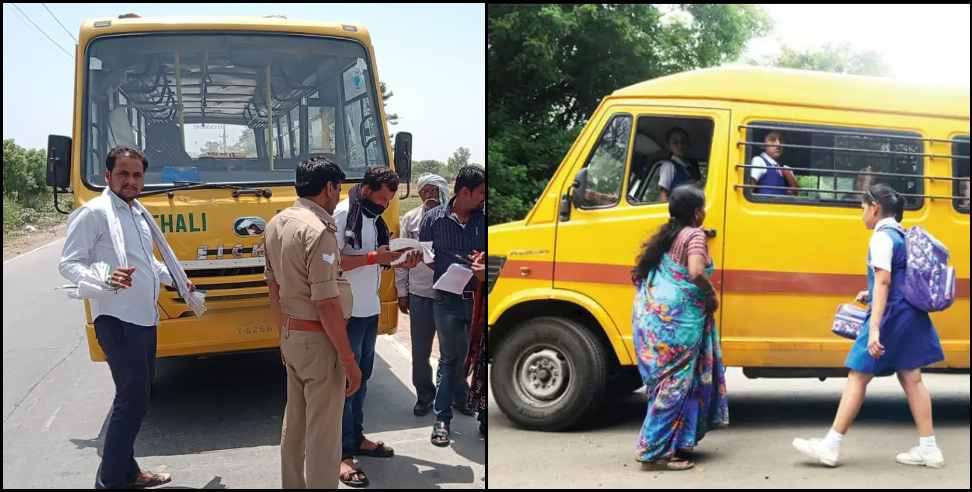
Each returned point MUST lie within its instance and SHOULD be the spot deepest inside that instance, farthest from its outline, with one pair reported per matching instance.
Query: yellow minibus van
(560, 290)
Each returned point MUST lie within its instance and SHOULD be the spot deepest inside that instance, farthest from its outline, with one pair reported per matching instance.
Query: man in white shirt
(416, 296)
(125, 320)
(363, 239)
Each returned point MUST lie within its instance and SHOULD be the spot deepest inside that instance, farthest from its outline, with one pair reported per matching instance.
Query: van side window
(832, 165)
(668, 152)
(960, 169)
(604, 172)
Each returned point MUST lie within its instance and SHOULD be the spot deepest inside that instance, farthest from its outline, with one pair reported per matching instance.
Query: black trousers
(130, 350)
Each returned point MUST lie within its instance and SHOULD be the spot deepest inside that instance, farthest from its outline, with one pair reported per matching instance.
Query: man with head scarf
(415, 296)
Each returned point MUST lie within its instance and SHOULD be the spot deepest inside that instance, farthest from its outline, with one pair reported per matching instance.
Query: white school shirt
(881, 246)
(762, 160)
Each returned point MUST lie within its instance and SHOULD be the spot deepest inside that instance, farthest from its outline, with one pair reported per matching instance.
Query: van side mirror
(58, 162)
(579, 195)
(574, 196)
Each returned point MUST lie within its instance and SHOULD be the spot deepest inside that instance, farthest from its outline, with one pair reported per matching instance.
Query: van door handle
(710, 233)
(524, 271)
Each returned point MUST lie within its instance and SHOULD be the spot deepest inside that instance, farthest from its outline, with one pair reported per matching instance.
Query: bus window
(321, 134)
(960, 169)
(295, 132)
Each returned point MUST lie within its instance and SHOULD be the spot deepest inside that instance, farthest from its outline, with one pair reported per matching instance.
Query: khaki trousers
(310, 442)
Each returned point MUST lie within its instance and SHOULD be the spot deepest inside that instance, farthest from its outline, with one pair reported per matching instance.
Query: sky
(432, 57)
(928, 44)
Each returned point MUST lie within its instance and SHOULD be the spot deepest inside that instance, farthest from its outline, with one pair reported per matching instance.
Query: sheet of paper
(428, 256)
(403, 244)
(400, 243)
(454, 279)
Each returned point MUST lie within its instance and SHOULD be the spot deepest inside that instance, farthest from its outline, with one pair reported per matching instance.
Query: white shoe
(920, 456)
(815, 448)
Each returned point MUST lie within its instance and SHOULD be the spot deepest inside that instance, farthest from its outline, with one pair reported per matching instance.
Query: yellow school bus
(560, 289)
(224, 109)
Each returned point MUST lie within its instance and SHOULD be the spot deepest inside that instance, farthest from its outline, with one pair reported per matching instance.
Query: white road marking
(47, 425)
(31, 251)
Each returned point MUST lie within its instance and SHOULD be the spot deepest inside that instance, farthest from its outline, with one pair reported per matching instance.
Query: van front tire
(550, 374)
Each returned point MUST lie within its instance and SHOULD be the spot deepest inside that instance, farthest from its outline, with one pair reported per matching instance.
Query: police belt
(304, 325)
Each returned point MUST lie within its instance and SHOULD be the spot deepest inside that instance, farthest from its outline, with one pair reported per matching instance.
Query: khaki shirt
(304, 260)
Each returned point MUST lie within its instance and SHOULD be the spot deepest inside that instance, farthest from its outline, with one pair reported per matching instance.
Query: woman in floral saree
(676, 338)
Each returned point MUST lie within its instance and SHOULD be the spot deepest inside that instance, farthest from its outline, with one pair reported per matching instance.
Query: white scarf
(196, 300)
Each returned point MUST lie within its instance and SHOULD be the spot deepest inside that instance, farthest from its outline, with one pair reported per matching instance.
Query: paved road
(755, 451)
(213, 423)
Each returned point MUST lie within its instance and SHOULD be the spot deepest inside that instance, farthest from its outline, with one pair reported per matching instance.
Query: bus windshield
(230, 108)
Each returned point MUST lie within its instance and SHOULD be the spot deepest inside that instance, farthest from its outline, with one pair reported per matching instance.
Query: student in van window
(896, 338)
(770, 173)
(964, 204)
(677, 169)
(676, 339)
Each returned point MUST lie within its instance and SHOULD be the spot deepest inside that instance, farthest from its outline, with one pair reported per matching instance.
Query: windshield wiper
(193, 185)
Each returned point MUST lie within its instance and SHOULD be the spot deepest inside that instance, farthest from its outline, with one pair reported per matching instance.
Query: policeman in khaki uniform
(312, 301)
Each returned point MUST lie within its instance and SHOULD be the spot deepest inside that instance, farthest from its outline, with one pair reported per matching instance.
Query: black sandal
(380, 451)
(356, 479)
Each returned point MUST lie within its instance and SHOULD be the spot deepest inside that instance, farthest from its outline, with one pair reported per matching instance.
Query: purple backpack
(929, 279)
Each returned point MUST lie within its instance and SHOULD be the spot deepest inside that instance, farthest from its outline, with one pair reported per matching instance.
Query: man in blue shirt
(457, 231)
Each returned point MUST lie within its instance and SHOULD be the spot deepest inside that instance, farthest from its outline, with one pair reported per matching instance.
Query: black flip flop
(359, 482)
(380, 451)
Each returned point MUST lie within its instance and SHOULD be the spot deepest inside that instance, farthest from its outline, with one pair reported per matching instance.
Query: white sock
(927, 442)
(833, 439)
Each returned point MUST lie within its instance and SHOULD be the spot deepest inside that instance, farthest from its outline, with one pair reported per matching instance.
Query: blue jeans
(452, 317)
(362, 332)
(130, 350)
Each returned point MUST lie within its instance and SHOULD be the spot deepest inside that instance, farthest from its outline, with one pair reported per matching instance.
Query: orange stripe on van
(748, 281)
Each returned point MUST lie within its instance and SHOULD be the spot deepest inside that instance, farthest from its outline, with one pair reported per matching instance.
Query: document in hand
(402, 244)
(454, 279)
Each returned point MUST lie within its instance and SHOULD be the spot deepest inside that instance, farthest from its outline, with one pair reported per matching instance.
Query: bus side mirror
(403, 156)
(58, 162)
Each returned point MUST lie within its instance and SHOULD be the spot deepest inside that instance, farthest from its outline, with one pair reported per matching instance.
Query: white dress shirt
(89, 241)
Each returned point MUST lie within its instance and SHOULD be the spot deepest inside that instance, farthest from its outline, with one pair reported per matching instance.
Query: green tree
(386, 94)
(431, 166)
(24, 171)
(548, 66)
(457, 161)
(840, 58)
